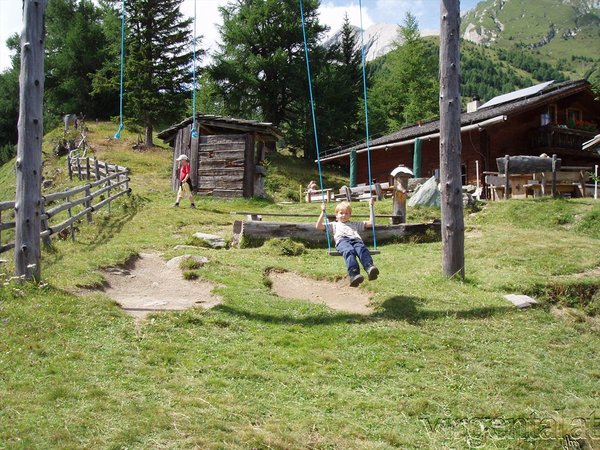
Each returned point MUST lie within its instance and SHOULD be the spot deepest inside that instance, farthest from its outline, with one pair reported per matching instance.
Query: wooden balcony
(555, 137)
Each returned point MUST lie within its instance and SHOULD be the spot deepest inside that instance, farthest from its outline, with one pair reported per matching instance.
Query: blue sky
(332, 14)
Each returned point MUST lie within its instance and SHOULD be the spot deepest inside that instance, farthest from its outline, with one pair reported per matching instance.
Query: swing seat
(336, 253)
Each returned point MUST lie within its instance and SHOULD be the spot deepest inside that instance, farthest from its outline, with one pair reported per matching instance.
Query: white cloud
(10, 23)
(207, 20)
(333, 15)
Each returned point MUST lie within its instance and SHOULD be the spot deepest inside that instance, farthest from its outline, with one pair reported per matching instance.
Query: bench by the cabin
(570, 182)
(363, 192)
(317, 195)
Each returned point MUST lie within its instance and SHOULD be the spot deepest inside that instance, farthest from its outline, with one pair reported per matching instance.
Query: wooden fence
(110, 181)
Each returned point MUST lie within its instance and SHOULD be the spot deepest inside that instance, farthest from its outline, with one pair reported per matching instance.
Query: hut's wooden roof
(210, 125)
(546, 95)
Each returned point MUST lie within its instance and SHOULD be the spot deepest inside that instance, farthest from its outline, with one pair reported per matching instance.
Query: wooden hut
(541, 119)
(225, 157)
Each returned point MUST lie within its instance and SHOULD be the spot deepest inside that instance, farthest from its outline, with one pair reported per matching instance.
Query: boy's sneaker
(193, 206)
(175, 205)
(356, 280)
(373, 272)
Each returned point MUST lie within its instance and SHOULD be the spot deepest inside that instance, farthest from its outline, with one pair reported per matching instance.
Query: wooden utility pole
(453, 227)
(29, 146)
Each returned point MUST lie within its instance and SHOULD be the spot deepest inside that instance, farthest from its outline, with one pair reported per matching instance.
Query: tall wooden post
(29, 146)
(453, 227)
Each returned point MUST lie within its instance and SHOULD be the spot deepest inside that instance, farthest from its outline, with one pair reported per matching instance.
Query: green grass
(440, 364)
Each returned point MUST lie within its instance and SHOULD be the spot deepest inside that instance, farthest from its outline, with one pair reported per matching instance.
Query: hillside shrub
(7, 152)
(284, 247)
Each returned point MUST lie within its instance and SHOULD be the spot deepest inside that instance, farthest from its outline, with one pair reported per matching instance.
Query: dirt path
(148, 285)
(339, 295)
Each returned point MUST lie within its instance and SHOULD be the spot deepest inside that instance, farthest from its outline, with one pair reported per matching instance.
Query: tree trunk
(453, 240)
(148, 141)
(29, 146)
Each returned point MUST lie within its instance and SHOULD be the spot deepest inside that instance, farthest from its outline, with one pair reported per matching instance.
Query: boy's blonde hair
(346, 206)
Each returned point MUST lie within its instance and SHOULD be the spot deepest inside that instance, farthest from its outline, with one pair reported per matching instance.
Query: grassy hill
(565, 34)
(440, 364)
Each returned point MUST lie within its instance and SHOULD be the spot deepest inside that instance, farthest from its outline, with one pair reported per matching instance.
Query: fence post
(30, 132)
(71, 225)
(127, 181)
(79, 167)
(46, 239)
(109, 184)
(87, 167)
(88, 203)
(554, 190)
(507, 181)
(97, 168)
(69, 168)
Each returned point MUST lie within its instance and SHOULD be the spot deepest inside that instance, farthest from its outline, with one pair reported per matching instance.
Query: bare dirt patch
(590, 273)
(146, 285)
(336, 295)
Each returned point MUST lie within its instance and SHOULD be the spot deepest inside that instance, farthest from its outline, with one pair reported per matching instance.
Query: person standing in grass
(348, 241)
(185, 184)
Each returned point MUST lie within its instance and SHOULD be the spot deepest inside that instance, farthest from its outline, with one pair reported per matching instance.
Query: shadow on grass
(406, 309)
(396, 308)
(112, 225)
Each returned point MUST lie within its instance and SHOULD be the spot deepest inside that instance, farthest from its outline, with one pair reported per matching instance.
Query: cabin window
(463, 174)
(552, 114)
(573, 116)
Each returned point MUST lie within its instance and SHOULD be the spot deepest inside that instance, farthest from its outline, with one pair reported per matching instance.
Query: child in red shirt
(185, 184)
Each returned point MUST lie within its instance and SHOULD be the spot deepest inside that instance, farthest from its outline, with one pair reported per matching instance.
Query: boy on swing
(348, 241)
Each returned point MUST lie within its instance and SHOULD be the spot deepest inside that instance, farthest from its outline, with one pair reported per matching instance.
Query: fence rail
(111, 181)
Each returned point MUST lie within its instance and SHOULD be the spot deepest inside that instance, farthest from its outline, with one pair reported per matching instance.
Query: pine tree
(158, 59)
(9, 96)
(158, 62)
(407, 89)
(260, 68)
(75, 47)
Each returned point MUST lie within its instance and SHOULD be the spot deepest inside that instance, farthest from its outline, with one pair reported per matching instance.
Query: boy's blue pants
(350, 250)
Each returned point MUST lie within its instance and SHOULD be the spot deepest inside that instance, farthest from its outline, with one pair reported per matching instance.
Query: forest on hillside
(259, 72)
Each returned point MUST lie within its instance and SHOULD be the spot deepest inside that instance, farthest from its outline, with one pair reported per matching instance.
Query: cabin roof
(530, 99)
(211, 124)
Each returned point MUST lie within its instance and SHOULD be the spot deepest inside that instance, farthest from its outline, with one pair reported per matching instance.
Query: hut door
(221, 162)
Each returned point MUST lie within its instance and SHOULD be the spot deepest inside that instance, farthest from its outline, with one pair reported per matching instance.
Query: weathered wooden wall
(221, 165)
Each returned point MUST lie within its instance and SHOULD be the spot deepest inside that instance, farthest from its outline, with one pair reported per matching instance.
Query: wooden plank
(224, 139)
(249, 166)
(228, 193)
(225, 163)
(204, 184)
(230, 154)
(7, 205)
(527, 164)
(220, 175)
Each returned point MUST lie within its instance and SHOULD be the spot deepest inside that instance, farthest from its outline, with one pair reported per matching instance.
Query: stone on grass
(175, 262)
(213, 240)
(520, 301)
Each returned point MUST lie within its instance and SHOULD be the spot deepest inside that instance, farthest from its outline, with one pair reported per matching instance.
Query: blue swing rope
(368, 142)
(118, 133)
(194, 130)
(312, 107)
